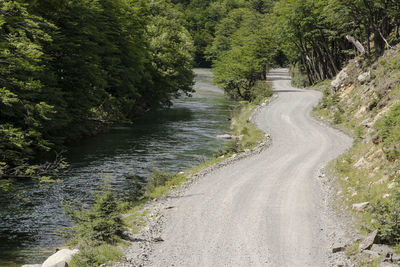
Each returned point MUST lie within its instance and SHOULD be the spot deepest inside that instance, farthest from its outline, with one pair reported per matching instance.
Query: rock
(224, 136)
(362, 77)
(370, 254)
(359, 163)
(360, 206)
(31, 265)
(339, 80)
(388, 264)
(366, 123)
(396, 258)
(375, 139)
(338, 247)
(158, 239)
(383, 250)
(392, 185)
(61, 258)
(369, 241)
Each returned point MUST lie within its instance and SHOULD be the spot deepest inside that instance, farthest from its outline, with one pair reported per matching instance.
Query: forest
(69, 68)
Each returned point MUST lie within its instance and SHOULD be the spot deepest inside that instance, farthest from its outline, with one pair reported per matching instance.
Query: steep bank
(364, 101)
(266, 209)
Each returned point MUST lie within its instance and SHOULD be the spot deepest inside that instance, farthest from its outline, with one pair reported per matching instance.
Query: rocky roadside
(349, 248)
(142, 242)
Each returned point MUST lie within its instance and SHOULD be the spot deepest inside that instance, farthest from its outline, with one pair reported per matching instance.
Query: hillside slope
(364, 100)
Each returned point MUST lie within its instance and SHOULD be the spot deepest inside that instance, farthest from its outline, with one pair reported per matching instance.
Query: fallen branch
(357, 44)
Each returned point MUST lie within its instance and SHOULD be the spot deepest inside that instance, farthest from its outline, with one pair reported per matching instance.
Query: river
(174, 139)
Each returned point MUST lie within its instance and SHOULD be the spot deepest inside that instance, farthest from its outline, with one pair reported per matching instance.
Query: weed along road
(264, 210)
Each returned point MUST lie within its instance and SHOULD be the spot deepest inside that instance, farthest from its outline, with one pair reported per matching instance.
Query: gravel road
(264, 210)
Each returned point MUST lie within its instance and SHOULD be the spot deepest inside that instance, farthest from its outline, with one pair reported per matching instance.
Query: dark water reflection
(175, 139)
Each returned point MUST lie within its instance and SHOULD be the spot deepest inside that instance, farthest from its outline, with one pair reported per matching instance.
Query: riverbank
(265, 209)
(245, 141)
(175, 139)
(147, 220)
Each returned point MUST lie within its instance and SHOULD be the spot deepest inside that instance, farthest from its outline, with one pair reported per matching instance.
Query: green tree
(24, 110)
(243, 51)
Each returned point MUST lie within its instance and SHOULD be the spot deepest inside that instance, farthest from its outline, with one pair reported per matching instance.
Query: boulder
(388, 264)
(339, 80)
(61, 258)
(396, 258)
(360, 206)
(375, 139)
(338, 247)
(224, 136)
(370, 255)
(368, 241)
(382, 249)
(362, 77)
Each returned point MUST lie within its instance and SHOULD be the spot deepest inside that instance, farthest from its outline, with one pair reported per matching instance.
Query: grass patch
(95, 256)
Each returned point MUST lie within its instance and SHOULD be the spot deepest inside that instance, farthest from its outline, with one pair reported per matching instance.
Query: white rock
(359, 163)
(362, 77)
(224, 136)
(339, 80)
(391, 185)
(368, 241)
(60, 257)
(360, 206)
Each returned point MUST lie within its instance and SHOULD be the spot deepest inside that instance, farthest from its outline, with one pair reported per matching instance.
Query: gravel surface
(268, 207)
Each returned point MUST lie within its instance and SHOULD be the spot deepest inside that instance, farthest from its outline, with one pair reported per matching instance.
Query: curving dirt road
(264, 210)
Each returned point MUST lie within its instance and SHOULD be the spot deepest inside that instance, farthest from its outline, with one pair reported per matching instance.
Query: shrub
(229, 148)
(158, 178)
(388, 129)
(260, 91)
(388, 220)
(98, 225)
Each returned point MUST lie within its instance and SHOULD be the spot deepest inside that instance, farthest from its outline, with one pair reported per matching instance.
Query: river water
(174, 139)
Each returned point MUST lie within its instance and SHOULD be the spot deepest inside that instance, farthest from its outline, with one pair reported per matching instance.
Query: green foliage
(388, 219)
(232, 147)
(24, 110)
(299, 78)
(388, 129)
(159, 178)
(67, 67)
(242, 52)
(259, 92)
(102, 224)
